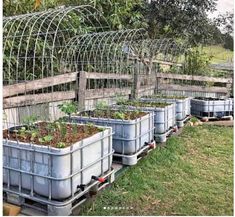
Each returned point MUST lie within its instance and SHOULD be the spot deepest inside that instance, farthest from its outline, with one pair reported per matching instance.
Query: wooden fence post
(157, 80)
(136, 82)
(81, 89)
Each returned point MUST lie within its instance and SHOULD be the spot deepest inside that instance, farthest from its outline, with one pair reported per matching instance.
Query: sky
(222, 7)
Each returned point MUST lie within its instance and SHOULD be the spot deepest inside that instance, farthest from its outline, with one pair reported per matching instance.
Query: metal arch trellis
(87, 51)
(102, 53)
(96, 51)
(32, 43)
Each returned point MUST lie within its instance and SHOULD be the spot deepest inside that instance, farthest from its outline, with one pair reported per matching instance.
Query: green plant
(30, 121)
(63, 130)
(90, 125)
(46, 139)
(22, 132)
(68, 108)
(61, 145)
(34, 133)
(197, 63)
(194, 119)
(100, 129)
(87, 127)
(119, 115)
(101, 107)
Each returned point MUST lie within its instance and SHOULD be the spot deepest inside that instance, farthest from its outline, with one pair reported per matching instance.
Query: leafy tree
(225, 23)
(177, 18)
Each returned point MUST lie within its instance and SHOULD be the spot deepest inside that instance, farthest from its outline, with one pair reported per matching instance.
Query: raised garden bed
(55, 159)
(164, 115)
(132, 129)
(212, 107)
(182, 104)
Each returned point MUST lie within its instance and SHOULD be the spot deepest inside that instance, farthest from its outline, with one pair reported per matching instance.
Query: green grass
(192, 175)
(220, 54)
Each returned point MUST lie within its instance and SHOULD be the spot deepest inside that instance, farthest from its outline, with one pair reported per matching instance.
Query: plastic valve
(99, 179)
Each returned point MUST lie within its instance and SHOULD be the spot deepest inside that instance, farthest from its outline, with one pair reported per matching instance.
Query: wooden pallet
(11, 209)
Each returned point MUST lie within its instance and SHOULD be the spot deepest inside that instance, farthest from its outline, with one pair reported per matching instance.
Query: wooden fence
(20, 94)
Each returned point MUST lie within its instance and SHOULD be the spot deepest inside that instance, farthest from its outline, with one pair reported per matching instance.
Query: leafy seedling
(46, 139)
(119, 115)
(68, 108)
(61, 145)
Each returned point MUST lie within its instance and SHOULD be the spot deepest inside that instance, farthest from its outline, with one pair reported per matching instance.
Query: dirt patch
(114, 114)
(145, 104)
(165, 97)
(226, 123)
(51, 134)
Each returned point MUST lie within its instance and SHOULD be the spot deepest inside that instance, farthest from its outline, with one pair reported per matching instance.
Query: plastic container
(182, 105)
(56, 173)
(164, 118)
(208, 107)
(129, 135)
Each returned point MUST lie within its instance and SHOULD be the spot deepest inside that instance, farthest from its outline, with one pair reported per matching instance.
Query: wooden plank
(223, 66)
(25, 87)
(192, 88)
(97, 75)
(167, 63)
(146, 88)
(10, 209)
(82, 80)
(34, 99)
(106, 92)
(193, 78)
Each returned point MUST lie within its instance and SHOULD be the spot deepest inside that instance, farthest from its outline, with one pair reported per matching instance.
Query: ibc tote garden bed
(164, 116)
(54, 163)
(182, 105)
(133, 130)
(212, 108)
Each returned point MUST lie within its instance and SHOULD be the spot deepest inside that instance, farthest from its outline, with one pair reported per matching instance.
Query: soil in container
(55, 134)
(208, 99)
(165, 97)
(144, 104)
(114, 114)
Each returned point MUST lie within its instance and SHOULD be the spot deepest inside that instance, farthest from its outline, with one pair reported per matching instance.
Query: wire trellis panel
(33, 43)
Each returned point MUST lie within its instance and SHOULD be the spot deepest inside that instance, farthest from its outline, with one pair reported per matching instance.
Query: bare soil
(166, 97)
(72, 133)
(127, 115)
(145, 104)
(225, 123)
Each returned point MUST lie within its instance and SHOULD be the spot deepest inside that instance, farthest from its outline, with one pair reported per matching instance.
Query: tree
(177, 18)
(225, 23)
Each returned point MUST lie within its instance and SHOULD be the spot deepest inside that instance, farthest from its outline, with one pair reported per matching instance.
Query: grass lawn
(220, 54)
(192, 175)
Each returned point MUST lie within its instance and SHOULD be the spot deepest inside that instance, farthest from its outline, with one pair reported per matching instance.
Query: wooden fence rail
(19, 94)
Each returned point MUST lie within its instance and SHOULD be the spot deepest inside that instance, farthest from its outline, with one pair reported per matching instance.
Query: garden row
(56, 163)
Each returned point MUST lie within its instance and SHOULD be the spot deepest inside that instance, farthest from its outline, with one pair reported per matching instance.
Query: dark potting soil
(144, 104)
(166, 97)
(65, 133)
(114, 114)
(207, 98)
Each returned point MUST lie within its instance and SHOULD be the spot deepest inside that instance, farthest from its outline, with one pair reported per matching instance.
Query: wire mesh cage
(32, 46)
(33, 42)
